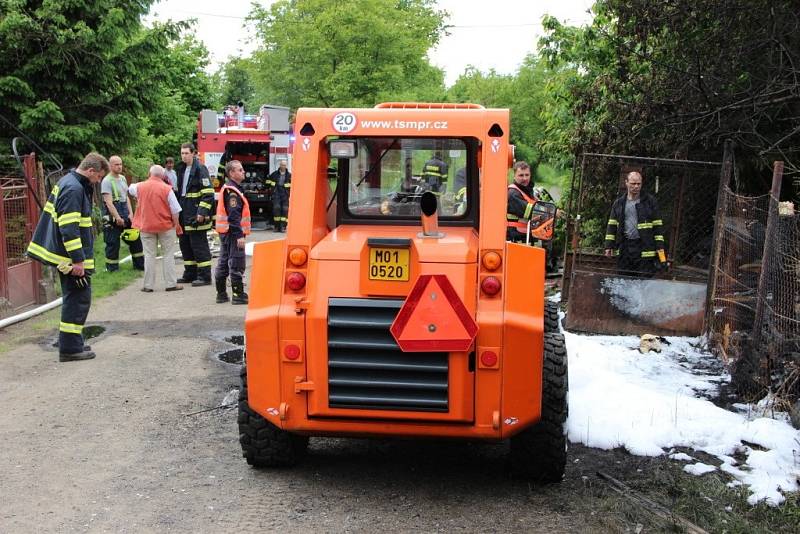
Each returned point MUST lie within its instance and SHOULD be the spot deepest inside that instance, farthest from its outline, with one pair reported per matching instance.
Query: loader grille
(367, 369)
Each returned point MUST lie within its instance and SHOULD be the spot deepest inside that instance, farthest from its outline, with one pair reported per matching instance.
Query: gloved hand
(67, 268)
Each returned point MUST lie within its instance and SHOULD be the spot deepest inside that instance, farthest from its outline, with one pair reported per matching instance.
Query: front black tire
(539, 453)
(264, 444)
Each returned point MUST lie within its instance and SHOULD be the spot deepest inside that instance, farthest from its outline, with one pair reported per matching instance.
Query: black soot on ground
(235, 355)
(89, 331)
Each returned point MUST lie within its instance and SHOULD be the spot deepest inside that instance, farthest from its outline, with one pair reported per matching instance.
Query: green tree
(78, 76)
(678, 78)
(346, 53)
(234, 83)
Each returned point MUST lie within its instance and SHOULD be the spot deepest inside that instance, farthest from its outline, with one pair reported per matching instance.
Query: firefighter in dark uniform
(64, 239)
(233, 225)
(434, 173)
(196, 197)
(635, 230)
(281, 183)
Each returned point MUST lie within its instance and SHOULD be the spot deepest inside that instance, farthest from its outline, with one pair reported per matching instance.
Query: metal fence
(754, 319)
(671, 301)
(19, 213)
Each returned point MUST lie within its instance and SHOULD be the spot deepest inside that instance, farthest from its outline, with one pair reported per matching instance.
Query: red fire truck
(260, 142)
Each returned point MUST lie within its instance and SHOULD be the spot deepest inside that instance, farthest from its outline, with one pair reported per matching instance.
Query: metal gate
(19, 213)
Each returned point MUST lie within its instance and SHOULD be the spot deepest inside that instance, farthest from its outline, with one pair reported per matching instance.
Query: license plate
(388, 264)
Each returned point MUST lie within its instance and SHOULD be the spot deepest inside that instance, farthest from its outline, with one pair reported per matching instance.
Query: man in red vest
(157, 219)
(233, 224)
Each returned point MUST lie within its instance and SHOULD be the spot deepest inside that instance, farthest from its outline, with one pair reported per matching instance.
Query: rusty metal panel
(606, 303)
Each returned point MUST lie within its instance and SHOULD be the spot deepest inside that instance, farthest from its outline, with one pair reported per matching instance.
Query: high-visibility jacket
(233, 211)
(520, 206)
(648, 224)
(199, 197)
(282, 191)
(64, 233)
(434, 173)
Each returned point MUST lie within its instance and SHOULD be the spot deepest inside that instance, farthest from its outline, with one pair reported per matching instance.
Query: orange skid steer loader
(394, 306)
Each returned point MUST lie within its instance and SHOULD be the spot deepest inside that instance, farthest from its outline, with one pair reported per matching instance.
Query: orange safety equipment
(515, 222)
(222, 225)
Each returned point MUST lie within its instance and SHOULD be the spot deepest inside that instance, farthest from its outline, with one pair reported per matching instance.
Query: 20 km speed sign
(344, 122)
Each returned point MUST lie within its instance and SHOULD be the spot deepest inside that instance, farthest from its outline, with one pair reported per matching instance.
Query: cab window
(387, 176)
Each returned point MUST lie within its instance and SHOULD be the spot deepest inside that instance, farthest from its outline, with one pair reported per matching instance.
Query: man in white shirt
(157, 219)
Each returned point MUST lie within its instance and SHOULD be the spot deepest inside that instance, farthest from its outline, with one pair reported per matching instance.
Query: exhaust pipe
(429, 208)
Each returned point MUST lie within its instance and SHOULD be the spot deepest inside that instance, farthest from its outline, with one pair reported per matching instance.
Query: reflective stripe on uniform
(88, 263)
(109, 260)
(70, 328)
(189, 263)
(648, 253)
(69, 218)
(202, 227)
(528, 210)
(659, 238)
(644, 226)
(44, 254)
(137, 255)
(204, 263)
(658, 222)
(205, 205)
(613, 221)
(73, 244)
(86, 222)
(610, 237)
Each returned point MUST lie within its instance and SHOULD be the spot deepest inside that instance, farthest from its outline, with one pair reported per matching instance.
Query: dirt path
(104, 445)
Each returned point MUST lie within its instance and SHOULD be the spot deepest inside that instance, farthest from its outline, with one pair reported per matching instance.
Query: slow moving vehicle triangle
(433, 318)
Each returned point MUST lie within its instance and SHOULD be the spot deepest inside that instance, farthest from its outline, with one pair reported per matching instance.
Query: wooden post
(769, 247)
(716, 244)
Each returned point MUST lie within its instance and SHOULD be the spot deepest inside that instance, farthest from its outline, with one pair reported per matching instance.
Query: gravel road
(106, 446)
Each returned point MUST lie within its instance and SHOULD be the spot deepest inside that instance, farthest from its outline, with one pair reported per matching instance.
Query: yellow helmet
(130, 234)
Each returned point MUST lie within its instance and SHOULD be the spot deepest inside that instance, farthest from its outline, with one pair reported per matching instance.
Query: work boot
(201, 282)
(186, 279)
(239, 296)
(222, 290)
(75, 356)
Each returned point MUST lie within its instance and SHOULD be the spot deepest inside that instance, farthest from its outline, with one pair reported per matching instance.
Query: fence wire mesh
(15, 211)
(754, 324)
(777, 326)
(735, 279)
(686, 192)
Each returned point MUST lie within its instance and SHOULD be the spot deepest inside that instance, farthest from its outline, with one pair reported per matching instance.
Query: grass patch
(105, 283)
(709, 503)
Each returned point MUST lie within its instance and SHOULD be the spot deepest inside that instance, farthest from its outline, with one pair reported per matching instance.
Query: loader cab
(381, 180)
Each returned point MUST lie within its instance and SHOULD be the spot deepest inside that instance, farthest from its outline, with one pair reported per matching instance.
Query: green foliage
(678, 78)
(79, 76)
(347, 53)
(234, 84)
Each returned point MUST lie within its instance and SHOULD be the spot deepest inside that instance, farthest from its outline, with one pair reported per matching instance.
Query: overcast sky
(496, 34)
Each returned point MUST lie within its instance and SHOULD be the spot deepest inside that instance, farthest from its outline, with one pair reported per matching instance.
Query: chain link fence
(754, 320)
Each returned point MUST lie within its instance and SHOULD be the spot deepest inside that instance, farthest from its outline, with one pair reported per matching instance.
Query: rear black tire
(539, 453)
(551, 321)
(264, 444)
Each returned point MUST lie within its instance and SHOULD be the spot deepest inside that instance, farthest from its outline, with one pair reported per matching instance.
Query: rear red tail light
(490, 285)
(296, 281)
(292, 352)
(488, 358)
